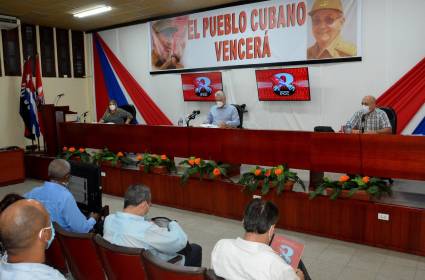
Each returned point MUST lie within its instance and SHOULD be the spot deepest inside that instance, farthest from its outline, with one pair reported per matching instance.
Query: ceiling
(58, 13)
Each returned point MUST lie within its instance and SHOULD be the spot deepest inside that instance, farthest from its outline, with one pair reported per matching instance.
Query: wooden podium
(51, 117)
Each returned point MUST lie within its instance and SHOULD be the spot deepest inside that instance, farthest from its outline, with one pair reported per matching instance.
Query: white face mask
(365, 108)
(112, 107)
(220, 104)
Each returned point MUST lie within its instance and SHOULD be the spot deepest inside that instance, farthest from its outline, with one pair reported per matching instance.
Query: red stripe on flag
(406, 96)
(144, 104)
(101, 94)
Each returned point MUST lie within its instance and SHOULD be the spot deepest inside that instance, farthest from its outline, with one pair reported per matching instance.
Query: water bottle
(180, 122)
(348, 128)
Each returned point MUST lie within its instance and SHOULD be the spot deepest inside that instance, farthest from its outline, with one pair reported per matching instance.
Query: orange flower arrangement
(192, 162)
(81, 150)
(268, 173)
(163, 157)
(65, 149)
(72, 149)
(197, 161)
(257, 172)
(278, 171)
(120, 154)
(344, 178)
(216, 172)
(139, 157)
(365, 179)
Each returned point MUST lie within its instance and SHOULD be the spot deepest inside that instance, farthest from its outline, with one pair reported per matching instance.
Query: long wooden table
(392, 156)
(344, 219)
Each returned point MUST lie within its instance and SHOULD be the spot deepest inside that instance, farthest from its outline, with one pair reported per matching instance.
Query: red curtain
(406, 96)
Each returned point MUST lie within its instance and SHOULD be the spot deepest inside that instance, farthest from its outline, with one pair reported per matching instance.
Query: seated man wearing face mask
(116, 115)
(58, 200)
(370, 120)
(26, 232)
(222, 114)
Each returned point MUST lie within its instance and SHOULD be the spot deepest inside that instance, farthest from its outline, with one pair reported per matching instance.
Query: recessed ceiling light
(93, 11)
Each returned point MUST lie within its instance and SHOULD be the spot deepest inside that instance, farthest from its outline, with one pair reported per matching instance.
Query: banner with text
(269, 32)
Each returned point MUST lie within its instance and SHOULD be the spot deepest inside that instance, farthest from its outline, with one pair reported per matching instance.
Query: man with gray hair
(222, 114)
(130, 228)
(370, 119)
(26, 232)
(58, 200)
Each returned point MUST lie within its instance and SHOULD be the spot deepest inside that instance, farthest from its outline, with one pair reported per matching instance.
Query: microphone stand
(191, 117)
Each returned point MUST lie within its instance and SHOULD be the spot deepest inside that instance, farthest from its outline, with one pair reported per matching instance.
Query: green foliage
(75, 154)
(152, 160)
(374, 187)
(106, 155)
(202, 168)
(274, 177)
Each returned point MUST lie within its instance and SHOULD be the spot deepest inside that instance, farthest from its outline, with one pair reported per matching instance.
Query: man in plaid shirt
(370, 120)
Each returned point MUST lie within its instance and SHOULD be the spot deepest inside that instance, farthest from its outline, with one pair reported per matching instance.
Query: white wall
(393, 42)
(78, 95)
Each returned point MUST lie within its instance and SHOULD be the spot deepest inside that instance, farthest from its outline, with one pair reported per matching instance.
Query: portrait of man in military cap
(167, 38)
(328, 19)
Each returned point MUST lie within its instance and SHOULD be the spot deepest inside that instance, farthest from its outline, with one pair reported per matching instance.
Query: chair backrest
(120, 262)
(56, 258)
(241, 110)
(392, 116)
(159, 269)
(130, 108)
(80, 254)
(212, 276)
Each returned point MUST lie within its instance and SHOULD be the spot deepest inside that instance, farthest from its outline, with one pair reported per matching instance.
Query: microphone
(58, 97)
(192, 116)
(362, 123)
(84, 115)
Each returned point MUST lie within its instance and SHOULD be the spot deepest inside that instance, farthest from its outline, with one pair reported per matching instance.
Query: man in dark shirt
(116, 115)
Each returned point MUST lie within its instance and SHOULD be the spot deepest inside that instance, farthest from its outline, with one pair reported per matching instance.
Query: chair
(159, 269)
(80, 254)
(212, 276)
(241, 110)
(120, 262)
(55, 257)
(392, 116)
(130, 108)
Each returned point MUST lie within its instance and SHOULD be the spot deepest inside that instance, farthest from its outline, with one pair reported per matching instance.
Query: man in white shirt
(26, 232)
(250, 257)
(130, 228)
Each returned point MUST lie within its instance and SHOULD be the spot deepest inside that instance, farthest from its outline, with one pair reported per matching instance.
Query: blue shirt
(130, 230)
(227, 114)
(62, 207)
(28, 271)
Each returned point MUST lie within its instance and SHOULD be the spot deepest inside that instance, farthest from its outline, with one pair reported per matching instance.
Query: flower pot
(155, 169)
(161, 170)
(358, 195)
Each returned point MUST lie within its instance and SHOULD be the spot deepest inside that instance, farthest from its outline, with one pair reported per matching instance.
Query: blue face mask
(52, 236)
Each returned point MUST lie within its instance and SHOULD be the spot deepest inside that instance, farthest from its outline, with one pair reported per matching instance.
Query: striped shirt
(373, 121)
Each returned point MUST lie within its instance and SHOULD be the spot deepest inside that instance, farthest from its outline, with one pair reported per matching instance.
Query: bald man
(222, 114)
(59, 201)
(370, 120)
(26, 232)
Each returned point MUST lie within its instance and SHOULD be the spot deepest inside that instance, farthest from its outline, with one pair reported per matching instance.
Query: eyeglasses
(326, 20)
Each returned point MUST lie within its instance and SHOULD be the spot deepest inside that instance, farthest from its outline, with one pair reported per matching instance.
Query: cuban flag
(27, 106)
(407, 98)
(113, 81)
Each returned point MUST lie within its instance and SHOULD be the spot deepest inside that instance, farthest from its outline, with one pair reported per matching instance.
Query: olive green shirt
(118, 117)
(338, 48)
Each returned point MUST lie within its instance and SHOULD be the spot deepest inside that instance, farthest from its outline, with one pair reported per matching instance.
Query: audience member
(131, 229)
(8, 200)
(26, 232)
(59, 202)
(251, 257)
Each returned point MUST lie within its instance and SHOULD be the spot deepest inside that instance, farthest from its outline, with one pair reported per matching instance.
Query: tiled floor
(325, 259)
